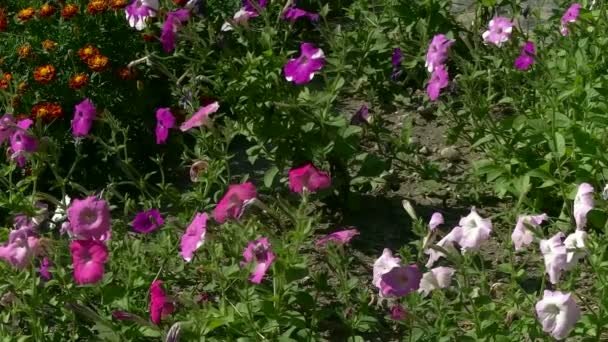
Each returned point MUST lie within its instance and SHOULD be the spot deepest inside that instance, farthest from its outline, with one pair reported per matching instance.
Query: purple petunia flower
(22, 142)
(396, 60)
(361, 116)
(172, 24)
(259, 252)
(140, 10)
(147, 221)
(292, 13)
(570, 16)
(164, 121)
(301, 70)
(7, 127)
(526, 57)
(44, 269)
(84, 114)
(437, 54)
(499, 31)
(439, 80)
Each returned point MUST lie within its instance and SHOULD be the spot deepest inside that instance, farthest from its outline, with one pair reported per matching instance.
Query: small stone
(450, 153)
(423, 150)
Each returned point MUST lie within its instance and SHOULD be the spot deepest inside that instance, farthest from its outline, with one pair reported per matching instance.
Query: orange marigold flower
(46, 10)
(44, 74)
(78, 81)
(24, 51)
(3, 20)
(98, 63)
(5, 80)
(22, 88)
(118, 4)
(87, 52)
(26, 14)
(48, 44)
(149, 37)
(97, 6)
(126, 73)
(69, 11)
(47, 111)
(180, 2)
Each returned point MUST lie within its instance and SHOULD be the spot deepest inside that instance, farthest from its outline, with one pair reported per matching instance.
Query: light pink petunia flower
(437, 53)
(194, 236)
(302, 70)
(89, 218)
(570, 16)
(234, 201)
(522, 236)
(21, 248)
(499, 31)
(446, 243)
(160, 305)
(555, 255)
(88, 259)
(201, 117)
(436, 221)
(475, 231)
(558, 313)
(437, 278)
(583, 203)
(575, 244)
(400, 281)
(340, 237)
(84, 115)
(308, 178)
(259, 252)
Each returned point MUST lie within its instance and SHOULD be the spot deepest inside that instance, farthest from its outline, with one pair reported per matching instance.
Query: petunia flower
(22, 142)
(21, 248)
(302, 70)
(583, 203)
(398, 313)
(139, 11)
(526, 57)
(160, 305)
(383, 265)
(44, 269)
(400, 281)
(147, 221)
(340, 237)
(88, 259)
(436, 221)
(89, 218)
(242, 16)
(258, 252)
(253, 5)
(172, 24)
(475, 230)
(201, 117)
(7, 127)
(437, 53)
(396, 60)
(570, 16)
(437, 278)
(522, 236)
(499, 31)
(292, 14)
(558, 313)
(308, 178)
(234, 201)
(84, 115)
(439, 80)
(555, 255)
(575, 244)
(194, 236)
(60, 212)
(361, 117)
(447, 243)
(164, 121)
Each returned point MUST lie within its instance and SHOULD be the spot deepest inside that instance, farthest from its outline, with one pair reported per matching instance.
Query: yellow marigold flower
(44, 74)
(98, 63)
(97, 6)
(25, 51)
(48, 44)
(26, 14)
(87, 52)
(46, 10)
(78, 81)
(69, 11)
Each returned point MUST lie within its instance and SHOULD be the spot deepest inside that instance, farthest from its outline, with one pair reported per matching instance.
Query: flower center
(88, 216)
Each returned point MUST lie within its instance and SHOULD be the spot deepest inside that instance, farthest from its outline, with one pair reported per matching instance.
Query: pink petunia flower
(201, 117)
(439, 80)
(164, 121)
(84, 115)
(570, 16)
(398, 313)
(194, 236)
(526, 57)
(160, 305)
(437, 278)
(555, 255)
(558, 313)
(88, 259)
(147, 221)
(340, 237)
(21, 248)
(575, 245)
(234, 201)
(446, 243)
(308, 178)
(436, 221)
(242, 16)
(400, 281)
(44, 271)
(139, 10)
(302, 70)
(259, 252)
(583, 203)
(499, 31)
(292, 14)
(22, 142)
(89, 218)
(172, 24)
(437, 53)
(522, 236)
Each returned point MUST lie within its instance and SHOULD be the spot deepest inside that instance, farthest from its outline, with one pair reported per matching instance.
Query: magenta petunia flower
(302, 70)
(194, 236)
(398, 313)
(44, 271)
(526, 57)
(400, 281)
(437, 278)
(139, 10)
(172, 24)
(292, 13)
(147, 221)
(7, 127)
(201, 117)
(361, 117)
(160, 305)
(583, 203)
(556, 257)
(522, 236)
(164, 121)
(88, 259)
(499, 31)
(89, 218)
(234, 201)
(21, 248)
(340, 237)
(439, 80)
(84, 115)
(22, 142)
(570, 16)
(437, 53)
(308, 178)
(436, 221)
(259, 252)
(558, 313)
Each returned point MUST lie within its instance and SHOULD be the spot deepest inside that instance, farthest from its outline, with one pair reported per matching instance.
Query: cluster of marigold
(45, 74)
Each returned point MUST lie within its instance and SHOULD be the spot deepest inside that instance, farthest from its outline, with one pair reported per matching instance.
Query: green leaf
(270, 175)
(560, 144)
